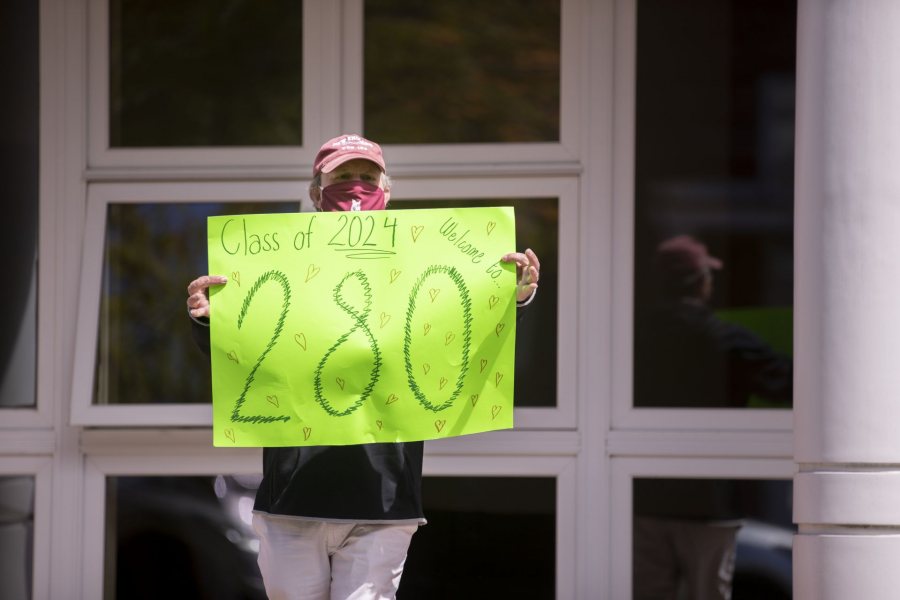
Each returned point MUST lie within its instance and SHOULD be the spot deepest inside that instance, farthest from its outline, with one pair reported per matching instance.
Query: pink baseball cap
(685, 255)
(339, 150)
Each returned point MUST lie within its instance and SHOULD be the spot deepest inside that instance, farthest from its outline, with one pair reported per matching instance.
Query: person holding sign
(336, 521)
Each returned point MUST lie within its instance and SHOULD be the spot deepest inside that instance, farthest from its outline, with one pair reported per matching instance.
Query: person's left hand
(528, 272)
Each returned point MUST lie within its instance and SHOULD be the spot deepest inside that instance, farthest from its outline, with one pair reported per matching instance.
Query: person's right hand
(198, 294)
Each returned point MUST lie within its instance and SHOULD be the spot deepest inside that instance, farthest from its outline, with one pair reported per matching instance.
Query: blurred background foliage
(462, 72)
(206, 73)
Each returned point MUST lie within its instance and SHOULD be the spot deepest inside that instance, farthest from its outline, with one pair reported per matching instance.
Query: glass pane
(181, 537)
(714, 203)
(462, 72)
(537, 227)
(204, 73)
(16, 536)
(693, 538)
(19, 103)
(494, 537)
(145, 352)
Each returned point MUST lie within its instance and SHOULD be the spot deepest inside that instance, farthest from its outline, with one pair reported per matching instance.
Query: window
(741, 524)
(466, 72)
(713, 185)
(491, 535)
(16, 536)
(494, 537)
(203, 74)
(146, 353)
(19, 171)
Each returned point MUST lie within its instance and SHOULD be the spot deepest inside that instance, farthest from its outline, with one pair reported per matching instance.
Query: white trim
(710, 444)
(625, 416)
(624, 470)
(351, 67)
(595, 317)
(198, 442)
(27, 442)
(41, 469)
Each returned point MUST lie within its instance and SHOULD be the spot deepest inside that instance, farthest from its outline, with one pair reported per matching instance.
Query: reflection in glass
(696, 538)
(204, 73)
(16, 536)
(537, 227)
(145, 353)
(462, 72)
(494, 537)
(714, 203)
(181, 537)
(19, 172)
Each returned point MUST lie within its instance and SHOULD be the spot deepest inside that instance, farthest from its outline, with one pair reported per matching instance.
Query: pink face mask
(352, 195)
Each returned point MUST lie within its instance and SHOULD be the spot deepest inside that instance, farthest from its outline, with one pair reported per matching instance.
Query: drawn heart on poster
(433, 292)
(391, 399)
(394, 275)
(233, 356)
(442, 383)
(311, 272)
(307, 431)
(439, 425)
(385, 318)
(340, 382)
(492, 301)
(273, 400)
(300, 339)
(236, 276)
(495, 410)
(427, 328)
(416, 230)
(497, 377)
(474, 399)
(229, 433)
(499, 328)
(380, 424)
(483, 364)
(426, 367)
(490, 227)
(449, 338)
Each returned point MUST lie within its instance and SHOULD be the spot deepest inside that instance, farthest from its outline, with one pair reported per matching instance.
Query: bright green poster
(357, 327)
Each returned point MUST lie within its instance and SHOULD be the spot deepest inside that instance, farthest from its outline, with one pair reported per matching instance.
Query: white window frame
(332, 103)
(184, 452)
(624, 414)
(625, 470)
(40, 468)
(103, 159)
(85, 412)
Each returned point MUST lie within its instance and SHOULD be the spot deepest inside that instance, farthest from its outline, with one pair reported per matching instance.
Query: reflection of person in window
(685, 529)
(336, 521)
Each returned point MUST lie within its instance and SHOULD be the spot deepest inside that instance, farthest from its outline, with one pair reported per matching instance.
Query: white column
(847, 302)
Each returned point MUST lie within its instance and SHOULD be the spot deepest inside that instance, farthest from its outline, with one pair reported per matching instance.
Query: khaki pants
(316, 560)
(676, 559)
